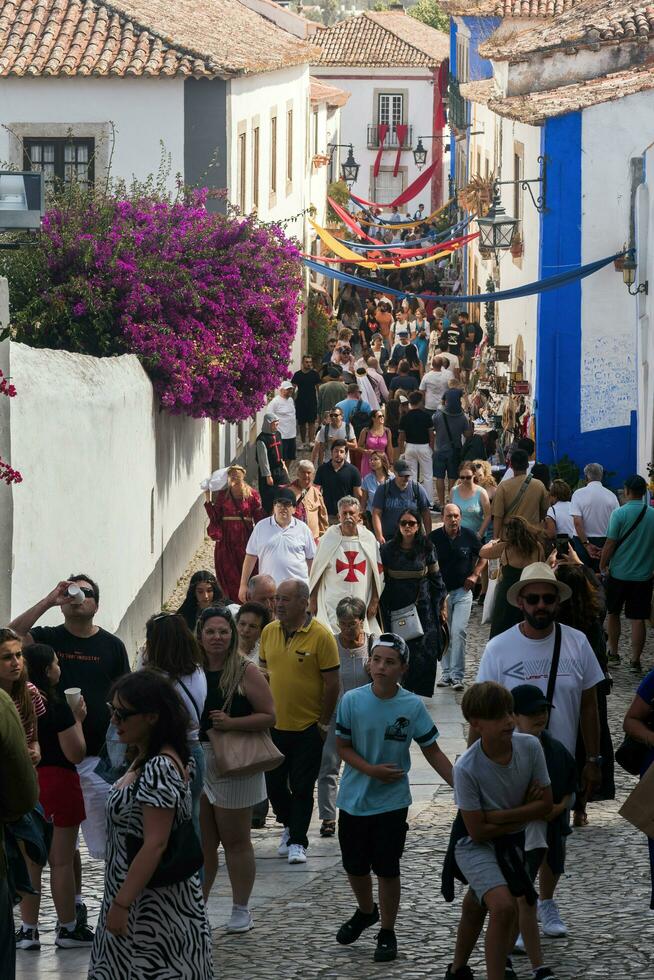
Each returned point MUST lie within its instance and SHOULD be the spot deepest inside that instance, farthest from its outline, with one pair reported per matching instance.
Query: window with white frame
(462, 59)
(390, 110)
(386, 186)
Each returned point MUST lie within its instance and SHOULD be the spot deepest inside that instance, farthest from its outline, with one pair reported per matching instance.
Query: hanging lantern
(350, 169)
(497, 229)
(420, 154)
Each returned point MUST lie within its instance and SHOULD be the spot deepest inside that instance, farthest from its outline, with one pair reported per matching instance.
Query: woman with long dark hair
(521, 544)
(203, 591)
(62, 746)
(412, 577)
(146, 932)
(227, 801)
(585, 611)
(172, 648)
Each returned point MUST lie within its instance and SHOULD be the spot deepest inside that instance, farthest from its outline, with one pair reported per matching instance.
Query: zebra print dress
(169, 936)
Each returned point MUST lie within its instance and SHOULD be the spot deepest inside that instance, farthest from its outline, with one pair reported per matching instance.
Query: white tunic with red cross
(347, 575)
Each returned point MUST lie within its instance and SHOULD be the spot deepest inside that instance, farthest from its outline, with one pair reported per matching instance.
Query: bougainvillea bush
(208, 302)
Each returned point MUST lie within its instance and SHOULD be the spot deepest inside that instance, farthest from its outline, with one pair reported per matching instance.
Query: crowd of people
(298, 667)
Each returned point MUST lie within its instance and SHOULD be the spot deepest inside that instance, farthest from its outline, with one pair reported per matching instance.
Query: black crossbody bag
(554, 669)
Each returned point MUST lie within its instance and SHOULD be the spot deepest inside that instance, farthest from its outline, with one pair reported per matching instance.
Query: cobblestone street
(604, 898)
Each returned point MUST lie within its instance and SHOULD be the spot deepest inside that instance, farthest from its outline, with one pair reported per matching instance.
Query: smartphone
(562, 542)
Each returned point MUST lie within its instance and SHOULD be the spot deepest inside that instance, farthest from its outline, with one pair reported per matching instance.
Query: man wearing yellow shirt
(301, 658)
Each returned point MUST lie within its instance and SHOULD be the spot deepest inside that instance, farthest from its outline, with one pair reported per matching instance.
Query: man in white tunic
(346, 565)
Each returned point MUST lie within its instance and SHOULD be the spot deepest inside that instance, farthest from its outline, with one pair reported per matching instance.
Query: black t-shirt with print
(57, 718)
(91, 663)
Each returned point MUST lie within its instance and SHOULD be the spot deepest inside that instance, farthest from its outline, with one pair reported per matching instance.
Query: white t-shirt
(345, 431)
(434, 384)
(511, 659)
(560, 514)
(197, 685)
(510, 474)
(595, 504)
(284, 408)
(283, 552)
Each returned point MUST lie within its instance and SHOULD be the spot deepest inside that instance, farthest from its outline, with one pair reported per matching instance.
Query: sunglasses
(478, 466)
(121, 714)
(532, 599)
(408, 524)
(462, 477)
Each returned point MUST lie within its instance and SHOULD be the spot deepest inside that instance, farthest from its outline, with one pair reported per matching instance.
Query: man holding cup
(91, 659)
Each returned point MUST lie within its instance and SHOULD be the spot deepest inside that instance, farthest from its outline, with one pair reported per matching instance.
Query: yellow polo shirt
(294, 667)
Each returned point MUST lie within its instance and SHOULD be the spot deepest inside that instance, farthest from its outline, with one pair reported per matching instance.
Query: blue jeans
(459, 605)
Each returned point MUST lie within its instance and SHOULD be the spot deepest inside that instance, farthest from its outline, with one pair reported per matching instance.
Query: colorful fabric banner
(347, 255)
(401, 131)
(440, 117)
(405, 224)
(382, 133)
(347, 219)
(529, 289)
(407, 194)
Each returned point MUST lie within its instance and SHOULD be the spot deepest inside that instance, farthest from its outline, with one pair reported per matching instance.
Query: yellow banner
(346, 253)
(405, 224)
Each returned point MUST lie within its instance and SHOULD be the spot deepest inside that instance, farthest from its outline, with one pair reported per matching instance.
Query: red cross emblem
(351, 566)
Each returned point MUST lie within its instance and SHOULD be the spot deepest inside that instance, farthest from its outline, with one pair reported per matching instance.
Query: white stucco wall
(516, 318)
(645, 258)
(608, 320)
(546, 70)
(108, 477)
(147, 114)
(361, 111)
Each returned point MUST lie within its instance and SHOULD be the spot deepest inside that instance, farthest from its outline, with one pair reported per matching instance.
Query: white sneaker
(550, 919)
(297, 854)
(241, 921)
(282, 850)
(458, 686)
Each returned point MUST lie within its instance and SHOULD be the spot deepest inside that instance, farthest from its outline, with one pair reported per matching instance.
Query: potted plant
(517, 246)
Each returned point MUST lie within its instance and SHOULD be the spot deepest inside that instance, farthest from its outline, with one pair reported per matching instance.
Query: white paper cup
(76, 594)
(73, 694)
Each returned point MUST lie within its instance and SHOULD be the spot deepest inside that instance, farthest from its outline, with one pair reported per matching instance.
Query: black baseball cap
(284, 495)
(402, 468)
(529, 699)
(394, 641)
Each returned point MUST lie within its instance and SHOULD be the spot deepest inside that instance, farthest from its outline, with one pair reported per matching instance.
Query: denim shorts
(445, 463)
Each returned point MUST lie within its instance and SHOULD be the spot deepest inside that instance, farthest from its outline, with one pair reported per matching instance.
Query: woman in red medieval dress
(232, 515)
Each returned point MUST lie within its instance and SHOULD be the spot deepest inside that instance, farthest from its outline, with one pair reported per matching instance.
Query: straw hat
(539, 573)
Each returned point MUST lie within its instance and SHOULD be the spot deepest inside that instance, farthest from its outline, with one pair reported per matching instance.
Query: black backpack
(359, 419)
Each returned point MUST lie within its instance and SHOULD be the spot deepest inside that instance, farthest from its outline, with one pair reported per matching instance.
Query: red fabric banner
(382, 133)
(347, 219)
(407, 194)
(401, 131)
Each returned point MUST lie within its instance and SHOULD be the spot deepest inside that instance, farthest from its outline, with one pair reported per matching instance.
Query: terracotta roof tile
(507, 8)
(321, 92)
(590, 23)
(203, 38)
(535, 107)
(388, 37)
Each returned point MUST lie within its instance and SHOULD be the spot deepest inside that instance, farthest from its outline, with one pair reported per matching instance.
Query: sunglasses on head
(532, 599)
(121, 714)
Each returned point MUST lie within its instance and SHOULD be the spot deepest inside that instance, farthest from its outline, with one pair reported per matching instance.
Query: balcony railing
(391, 142)
(458, 112)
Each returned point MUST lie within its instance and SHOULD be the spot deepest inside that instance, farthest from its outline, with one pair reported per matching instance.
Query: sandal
(635, 665)
(328, 828)
(580, 819)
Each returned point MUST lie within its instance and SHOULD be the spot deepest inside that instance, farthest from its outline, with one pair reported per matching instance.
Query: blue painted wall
(558, 353)
(480, 29)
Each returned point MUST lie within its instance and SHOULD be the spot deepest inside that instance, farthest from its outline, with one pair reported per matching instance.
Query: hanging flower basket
(320, 160)
(486, 253)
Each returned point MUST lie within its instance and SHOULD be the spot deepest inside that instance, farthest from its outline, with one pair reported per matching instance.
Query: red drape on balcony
(382, 133)
(401, 131)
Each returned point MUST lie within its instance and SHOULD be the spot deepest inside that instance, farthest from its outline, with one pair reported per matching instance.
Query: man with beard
(347, 566)
(526, 654)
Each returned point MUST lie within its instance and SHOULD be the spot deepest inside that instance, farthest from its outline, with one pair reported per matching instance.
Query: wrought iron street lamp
(629, 267)
(350, 169)
(497, 229)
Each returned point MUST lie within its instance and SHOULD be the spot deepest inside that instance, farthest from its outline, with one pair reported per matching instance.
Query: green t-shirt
(634, 559)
